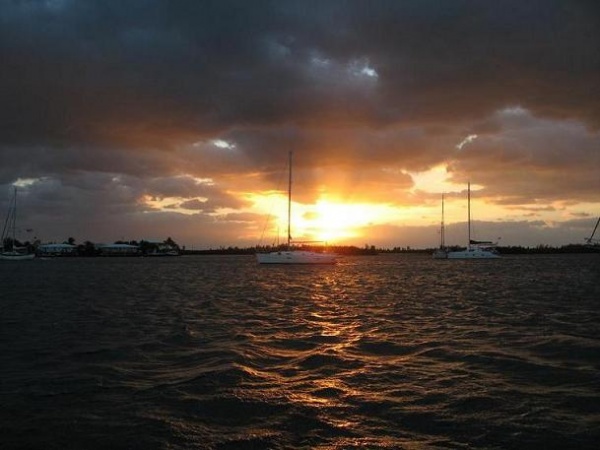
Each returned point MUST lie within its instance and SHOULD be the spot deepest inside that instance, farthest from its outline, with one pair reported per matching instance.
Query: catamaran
(291, 255)
(475, 249)
(9, 250)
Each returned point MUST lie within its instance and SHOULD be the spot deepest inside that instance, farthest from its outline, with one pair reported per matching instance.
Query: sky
(148, 119)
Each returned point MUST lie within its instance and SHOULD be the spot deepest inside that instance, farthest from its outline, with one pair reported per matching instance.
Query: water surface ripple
(392, 351)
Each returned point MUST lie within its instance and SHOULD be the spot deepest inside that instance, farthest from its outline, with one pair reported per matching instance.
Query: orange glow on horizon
(335, 222)
(326, 220)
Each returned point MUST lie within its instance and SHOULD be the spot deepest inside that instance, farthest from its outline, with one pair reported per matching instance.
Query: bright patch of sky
(223, 144)
(466, 141)
(320, 62)
(208, 145)
(362, 68)
(434, 180)
(327, 69)
(514, 111)
(325, 220)
(205, 181)
(24, 182)
(172, 204)
(370, 72)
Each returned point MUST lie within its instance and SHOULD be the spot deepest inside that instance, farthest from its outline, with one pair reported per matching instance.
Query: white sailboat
(8, 238)
(442, 252)
(291, 255)
(475, 249)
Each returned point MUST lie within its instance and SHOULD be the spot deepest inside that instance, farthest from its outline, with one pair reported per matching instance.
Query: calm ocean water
(394, 351)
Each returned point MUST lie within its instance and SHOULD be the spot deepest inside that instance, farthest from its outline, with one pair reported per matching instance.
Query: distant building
(118, 249)
(57, 250)
(159, 248)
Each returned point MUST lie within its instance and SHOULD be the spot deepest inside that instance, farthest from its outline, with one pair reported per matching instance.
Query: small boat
(296, 257)
(475, 249)
(442, 252)
(16, 256)
(9, 250)
(290, 255)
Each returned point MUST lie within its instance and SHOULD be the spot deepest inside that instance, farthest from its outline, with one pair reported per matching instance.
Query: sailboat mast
(289, 230)
(442, 231)
(594, 232)
(14, 224)
(469, 208)
(10, 224)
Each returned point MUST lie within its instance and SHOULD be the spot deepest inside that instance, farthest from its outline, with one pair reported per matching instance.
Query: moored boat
(10, 251)
(291, 255)
(475, 249)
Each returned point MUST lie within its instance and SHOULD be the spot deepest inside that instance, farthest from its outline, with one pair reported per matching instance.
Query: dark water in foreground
(377, 352)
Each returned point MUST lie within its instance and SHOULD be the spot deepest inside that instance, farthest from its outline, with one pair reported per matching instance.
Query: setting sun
(334, 222)
(325, 221)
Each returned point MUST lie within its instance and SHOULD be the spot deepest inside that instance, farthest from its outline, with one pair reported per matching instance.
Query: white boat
(475, 249)
(16, 256)
(8, 239)
(442, 252)
(296, 257)
(291, 255)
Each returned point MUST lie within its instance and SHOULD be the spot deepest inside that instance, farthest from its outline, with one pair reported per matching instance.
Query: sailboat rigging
(9, 250)
(290, 255)
(441, 252)
(591, 241)
(475, 249)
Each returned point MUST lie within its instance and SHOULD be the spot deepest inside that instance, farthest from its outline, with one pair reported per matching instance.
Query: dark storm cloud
(111, 101)
(155, 73)
(533, 160)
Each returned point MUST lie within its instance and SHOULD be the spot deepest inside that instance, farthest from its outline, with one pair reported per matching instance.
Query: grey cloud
(137, 72)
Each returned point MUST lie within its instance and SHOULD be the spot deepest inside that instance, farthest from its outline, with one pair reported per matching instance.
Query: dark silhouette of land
(372, 250)
(146, 248)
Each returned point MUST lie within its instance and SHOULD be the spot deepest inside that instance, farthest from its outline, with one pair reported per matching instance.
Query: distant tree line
(373, 250)
(89, 248)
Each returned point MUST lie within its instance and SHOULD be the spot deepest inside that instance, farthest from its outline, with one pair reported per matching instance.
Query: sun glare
(334, 222)
(326, 221)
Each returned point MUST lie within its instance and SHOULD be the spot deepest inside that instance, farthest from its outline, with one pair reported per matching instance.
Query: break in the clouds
(157, 118)
(465, 141)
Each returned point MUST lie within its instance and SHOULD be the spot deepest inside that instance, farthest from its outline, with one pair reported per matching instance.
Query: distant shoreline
(340, 250)
(371, 251)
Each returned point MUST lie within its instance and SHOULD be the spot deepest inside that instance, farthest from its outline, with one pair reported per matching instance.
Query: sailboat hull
(295, 257)
(473, 253)
(16, 256)
(475, 249)
(292, 256)
(12, 253)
